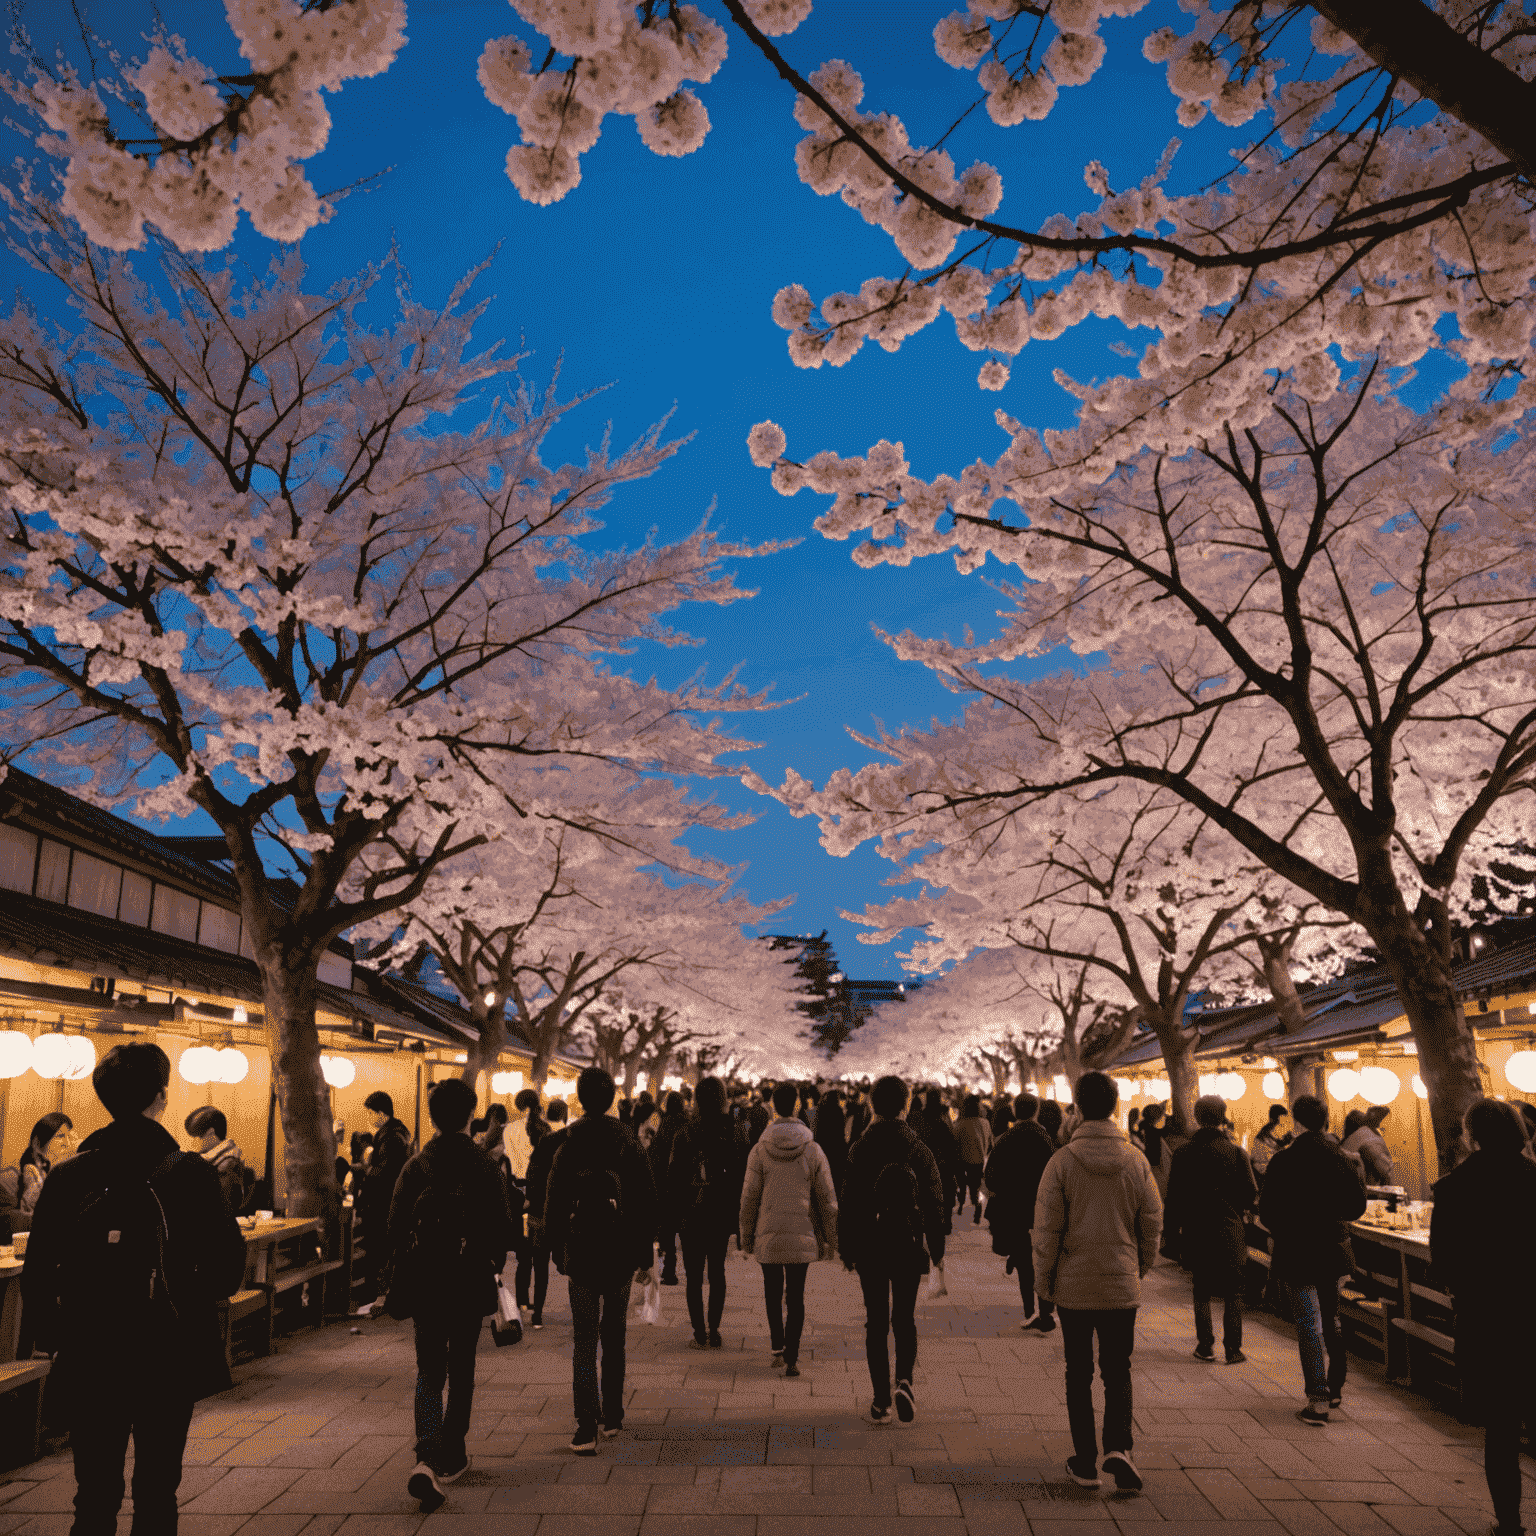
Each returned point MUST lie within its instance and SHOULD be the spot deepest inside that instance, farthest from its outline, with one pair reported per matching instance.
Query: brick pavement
(317, 1439)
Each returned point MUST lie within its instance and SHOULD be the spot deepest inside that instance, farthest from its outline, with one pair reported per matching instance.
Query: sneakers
(584, 1441)
(1314, 1414)
(1040, 1323)
(1237, 1357)
(1084, 1473)
(906, 1407)
(1120, 1467)
(715, 1341)
(790, 1368)
(698, 1341)
(1205, 1356)
(880, 1413)
(537, 1320)
(610, 1430)
(1335, 1402)
(452, 1474)
(422, 1485)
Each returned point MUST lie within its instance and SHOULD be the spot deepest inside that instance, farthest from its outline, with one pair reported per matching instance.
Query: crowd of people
(1078, 1207)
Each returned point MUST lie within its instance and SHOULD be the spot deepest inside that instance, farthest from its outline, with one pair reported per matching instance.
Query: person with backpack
(600, 1227)
(788, 1220)
(707, 1167)
(132, 1247)
(1097, 1220)
(533, 1256)
(449, 1233)
(208, 1127)
(891, 1225)
(1012, 1179)
(391, 1151)
(674, 1117)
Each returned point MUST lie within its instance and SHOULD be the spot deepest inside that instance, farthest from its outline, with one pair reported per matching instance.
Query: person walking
(939, 1137)
(449, 1233)
(1271, 1139)
(522, 1136)
(599, 1225)
(1482, 1241)
(1312, 1190)
(788, 1220)
(391, 1152)
(759, 1113)
(533, 1256)
(1012, 1178)
(832, 1135)
(674, 1117)
(1211, 1189)
(1002, 1117)
(1153, 1130)
(131, 1249)
(1050, 1118)
(858, 1113)
(706, 1169)
(974, 1135)
(1097, 1220)
(892, 1224)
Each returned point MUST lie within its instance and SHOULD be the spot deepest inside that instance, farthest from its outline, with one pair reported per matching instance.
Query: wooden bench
(21, 1420)
(255, 1302)
(295, 1280)
(1371, 1318)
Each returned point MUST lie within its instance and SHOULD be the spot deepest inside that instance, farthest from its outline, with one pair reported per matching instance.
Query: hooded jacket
(1482, 1240)
(1097, 1220)
(788, 1201)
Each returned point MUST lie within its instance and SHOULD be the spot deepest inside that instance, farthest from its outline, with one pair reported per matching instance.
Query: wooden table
(262, 1240)
(10, 1307)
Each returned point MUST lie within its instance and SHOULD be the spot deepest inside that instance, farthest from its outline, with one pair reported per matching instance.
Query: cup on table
(19, 1242)
(263, 1215)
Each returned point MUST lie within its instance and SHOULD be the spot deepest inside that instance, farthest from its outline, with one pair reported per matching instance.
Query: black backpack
(897, 1219)
(715, 1192)
(442, 1251)
(594, 1238)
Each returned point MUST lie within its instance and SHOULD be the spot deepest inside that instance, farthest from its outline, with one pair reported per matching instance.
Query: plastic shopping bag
(650, 1298)
(936, 1283)
(507, 1323)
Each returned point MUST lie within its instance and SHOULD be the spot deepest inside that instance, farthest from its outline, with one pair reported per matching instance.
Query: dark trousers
(375, 1245)
(1324, 1361)
(101, 1420)
(1024, 1268)
(1495, 1365)
(666, 1249)
(1230, 1288)
(532, 1264)
(784, 1331)
(1116, 1330)
(890, 1306)
(970, 1179)
(701, 1250)
(445, 1353)
(598, 1316)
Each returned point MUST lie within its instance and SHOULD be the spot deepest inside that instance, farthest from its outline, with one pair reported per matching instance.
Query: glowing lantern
(15, 1053)
(1126, 1086)
(1520, 1071)
(1378, 1085)
(1209, 1082)
(198, 1064)
(231, 1066)
(51, 1056)
(1273, 1086)
(82, 1059)
(337, 1071)
(506, 1082)
(1231, 1086)
(1344, 1084)
(1063, 1089)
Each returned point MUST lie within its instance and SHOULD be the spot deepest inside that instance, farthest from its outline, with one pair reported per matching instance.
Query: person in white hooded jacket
(788, 1220)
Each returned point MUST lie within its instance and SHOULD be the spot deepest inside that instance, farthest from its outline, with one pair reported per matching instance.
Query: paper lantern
(232, 1066)
(1520, 1071)
(337, 1071)
(51, 1056)
(1231, 1086)
(1379, 1085)
(1344, 1084)
(1208, 1083)
(82, 1059)
(1063, 1089)
(1273, 1085)
(198, 1063)
(506, 1082)
(15, 1053)
(1126, 1086)
(1418, 1086)
(1158, 1088)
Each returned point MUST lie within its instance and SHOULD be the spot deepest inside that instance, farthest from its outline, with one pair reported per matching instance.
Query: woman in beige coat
(788, 1220)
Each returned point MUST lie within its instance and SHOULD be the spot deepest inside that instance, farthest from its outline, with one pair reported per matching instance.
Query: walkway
(317, 1439)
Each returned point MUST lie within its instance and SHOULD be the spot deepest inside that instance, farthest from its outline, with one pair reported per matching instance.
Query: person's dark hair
(1152, 1115)
(1375, 1115)
(451, 1103)
(558, 1112)
(43, 1132)
(361, 1141)
(1096, 1095)
(765, 1092)
(710, 1098)
(1352, 1123)
(1277, 1113)
(935, 1110)
(594, 1091)
(1495, 1126)
(971, 1108)
(130, 1077)
(1025, 1106)
(1310, 1113)
(498, 1113)
(785, 1097)
(1050, 1117)
(380, 1103)
(888, 1097)
(810, 1094)
(1132, 1116)
(206, 1119)
(1210, 1111)
(675, 1105)
(527, 1098)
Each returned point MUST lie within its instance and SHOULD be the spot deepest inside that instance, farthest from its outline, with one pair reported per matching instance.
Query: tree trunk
(1275, 956)
(1179, 1061)
(484, 1054)
(303, 1100)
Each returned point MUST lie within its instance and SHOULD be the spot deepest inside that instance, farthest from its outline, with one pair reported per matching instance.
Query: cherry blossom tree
(253, 568)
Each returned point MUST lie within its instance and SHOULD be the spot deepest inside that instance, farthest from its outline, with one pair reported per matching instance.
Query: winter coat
(450, 1167)
(1002, 1120)
(204, 1262)
(536, 1185)
(1210, 1189)
(1013, 1181)
(1371, 1148)
(888, 1141)
(939, 1137)
(832, 1138)
(759, 1115)
(600, 1142)
(1265, 1145)
(975, 1137)
(1097, 1221)
(1311, 1192)
(713, 1207)
(788, 1200)
(1482, 1239)
(391, 1152)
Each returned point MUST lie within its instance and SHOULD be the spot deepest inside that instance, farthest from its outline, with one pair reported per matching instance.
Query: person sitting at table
(52, 1139)
(208, 1127)
(131, 1249)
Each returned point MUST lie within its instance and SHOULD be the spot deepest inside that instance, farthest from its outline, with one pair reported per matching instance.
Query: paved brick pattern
(317, 1439)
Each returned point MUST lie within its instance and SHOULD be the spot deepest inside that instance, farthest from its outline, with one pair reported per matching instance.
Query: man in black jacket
(1482, 1241)
(1013, 1180)
(886, 1244)
(533, 1258)
(132, 1247)
(1211, 1189)
(600, 1228)
(449, 1232)
(391, 1151)
(1311, 1192)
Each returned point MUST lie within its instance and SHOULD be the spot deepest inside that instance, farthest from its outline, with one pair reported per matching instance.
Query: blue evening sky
(655, 276)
